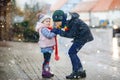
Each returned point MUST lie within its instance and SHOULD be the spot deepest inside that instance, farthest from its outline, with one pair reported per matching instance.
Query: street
(23, 61)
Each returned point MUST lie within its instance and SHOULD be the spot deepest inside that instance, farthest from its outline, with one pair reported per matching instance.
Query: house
(84, 9)
(97, 12)
(108, 10)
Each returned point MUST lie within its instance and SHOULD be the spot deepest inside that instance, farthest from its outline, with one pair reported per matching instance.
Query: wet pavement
(22, 61)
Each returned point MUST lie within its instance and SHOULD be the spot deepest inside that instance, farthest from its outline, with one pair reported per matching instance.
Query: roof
(58, 4)
(84, 6)
(97, 6)
(102, 5)
(115, 5)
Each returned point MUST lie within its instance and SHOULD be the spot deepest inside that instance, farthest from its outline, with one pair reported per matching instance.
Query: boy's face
(58, 24)
(47, 22)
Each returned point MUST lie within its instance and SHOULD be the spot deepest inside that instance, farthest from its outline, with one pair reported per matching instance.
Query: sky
(21, 3)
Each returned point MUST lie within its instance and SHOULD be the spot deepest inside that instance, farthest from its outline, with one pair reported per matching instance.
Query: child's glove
(56, 31)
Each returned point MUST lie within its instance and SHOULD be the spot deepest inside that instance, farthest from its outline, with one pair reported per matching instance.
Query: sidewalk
(22, 61)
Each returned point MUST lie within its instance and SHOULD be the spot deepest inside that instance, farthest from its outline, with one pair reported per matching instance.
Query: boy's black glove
(56, 31)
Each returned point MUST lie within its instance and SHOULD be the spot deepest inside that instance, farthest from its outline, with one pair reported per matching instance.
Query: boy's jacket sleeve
(71, 33)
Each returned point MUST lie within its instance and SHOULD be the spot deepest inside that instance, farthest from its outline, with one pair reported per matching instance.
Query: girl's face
(47, 22)
(58, 24)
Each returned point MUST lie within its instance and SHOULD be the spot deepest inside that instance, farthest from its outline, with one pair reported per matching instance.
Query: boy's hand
(56, 30)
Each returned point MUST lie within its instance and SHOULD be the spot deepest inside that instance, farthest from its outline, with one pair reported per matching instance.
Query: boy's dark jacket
(78, 30)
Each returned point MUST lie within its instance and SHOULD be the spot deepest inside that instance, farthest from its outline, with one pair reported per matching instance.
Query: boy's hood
(72, 16)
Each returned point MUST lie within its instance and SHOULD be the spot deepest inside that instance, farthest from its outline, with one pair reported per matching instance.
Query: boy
(79, 32)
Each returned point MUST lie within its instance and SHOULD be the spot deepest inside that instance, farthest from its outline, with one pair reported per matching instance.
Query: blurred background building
(93, 12)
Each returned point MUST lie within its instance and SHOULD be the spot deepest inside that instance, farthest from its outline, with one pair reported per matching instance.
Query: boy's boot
(76, 75)
(82, 74)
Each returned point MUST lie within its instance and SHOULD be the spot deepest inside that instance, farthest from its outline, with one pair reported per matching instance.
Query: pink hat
(42, 17)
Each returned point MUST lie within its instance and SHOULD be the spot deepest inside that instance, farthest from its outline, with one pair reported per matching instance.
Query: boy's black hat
(58, 15)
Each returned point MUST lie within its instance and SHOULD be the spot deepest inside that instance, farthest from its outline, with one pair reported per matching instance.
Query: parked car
(116, 30)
